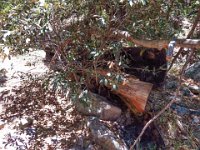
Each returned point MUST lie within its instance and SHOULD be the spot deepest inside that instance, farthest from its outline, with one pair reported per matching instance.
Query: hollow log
(133, 92)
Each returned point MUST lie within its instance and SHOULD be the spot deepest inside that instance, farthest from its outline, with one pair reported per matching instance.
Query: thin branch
(167, 106)
(194, 24)
(175, 58)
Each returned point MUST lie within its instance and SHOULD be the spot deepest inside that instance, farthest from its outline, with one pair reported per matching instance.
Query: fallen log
(159, 44)
(133, 92)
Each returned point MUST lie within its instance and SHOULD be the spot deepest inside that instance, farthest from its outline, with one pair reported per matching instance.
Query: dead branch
(159, 44)
(167, 106)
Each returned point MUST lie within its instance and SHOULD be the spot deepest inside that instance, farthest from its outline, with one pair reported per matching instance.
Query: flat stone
(194, 89)
(98, 106)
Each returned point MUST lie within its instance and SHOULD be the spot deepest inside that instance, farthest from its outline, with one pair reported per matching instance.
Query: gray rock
(196, 119)
(194, 89)
(98, 106)
(181, 110)
(193, 72)
(171, 85)
(104, 137)
(185, 91)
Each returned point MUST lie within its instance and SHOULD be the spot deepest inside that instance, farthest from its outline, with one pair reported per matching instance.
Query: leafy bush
(79, 33)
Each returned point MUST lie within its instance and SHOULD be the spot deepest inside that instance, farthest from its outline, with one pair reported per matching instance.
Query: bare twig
(168, 105)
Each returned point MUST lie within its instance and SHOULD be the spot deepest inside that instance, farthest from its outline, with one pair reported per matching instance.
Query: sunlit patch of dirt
(32, 115)
(45, 118)
(20, 68)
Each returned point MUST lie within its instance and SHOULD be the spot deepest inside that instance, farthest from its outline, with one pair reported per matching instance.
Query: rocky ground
(35, 116)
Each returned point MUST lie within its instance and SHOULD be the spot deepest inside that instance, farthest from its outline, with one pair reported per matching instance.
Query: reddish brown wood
(133, 92)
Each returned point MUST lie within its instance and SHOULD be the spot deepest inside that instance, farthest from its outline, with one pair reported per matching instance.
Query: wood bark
(133, 92)
(159, 44)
